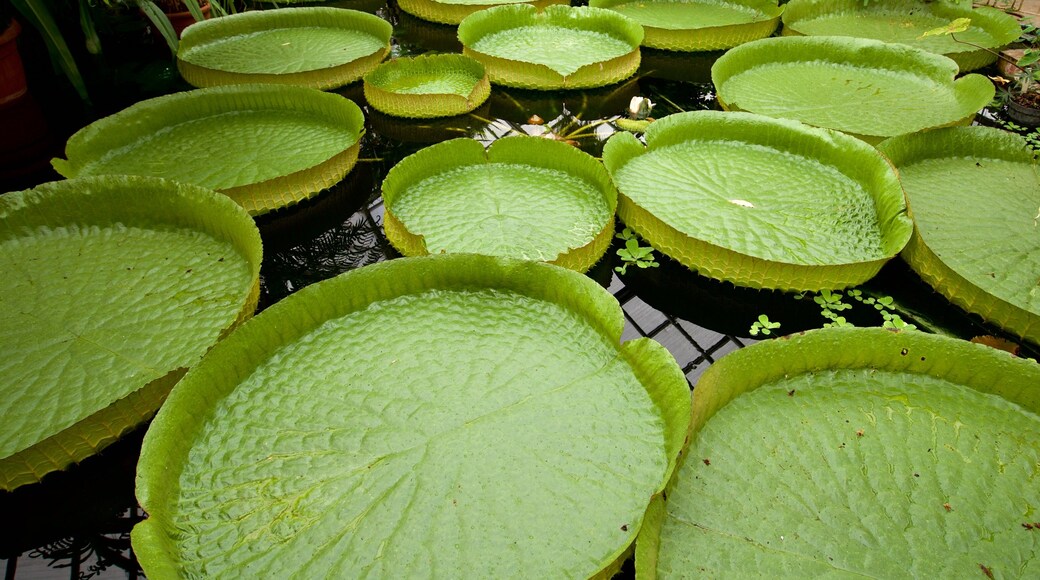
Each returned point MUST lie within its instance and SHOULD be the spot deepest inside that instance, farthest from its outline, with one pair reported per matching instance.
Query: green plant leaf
(867, 88)
(719, 192)
(925, 25)
(557, 48)
(856, 452)
(696, 25)
(36, 11)
(281, 145)
(477, 411)
(526, 197)
(113, 286)
(317, 47)
(428, 86)
(974, 195)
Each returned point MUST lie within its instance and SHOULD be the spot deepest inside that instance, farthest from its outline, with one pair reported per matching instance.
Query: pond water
(76, 523)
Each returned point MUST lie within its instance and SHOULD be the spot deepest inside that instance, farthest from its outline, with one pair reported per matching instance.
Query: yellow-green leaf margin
(519, 73)
(170, 438)
(533, 152)
(225, 30)
(380, 86)
(144, 125)
(118, 202)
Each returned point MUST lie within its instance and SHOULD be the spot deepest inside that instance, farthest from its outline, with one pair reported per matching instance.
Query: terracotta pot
(12, 74)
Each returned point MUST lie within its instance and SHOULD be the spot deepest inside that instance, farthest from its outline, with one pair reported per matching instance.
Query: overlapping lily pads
(461, 415)
(454, 11)
(525, 197)
(694, 25)
(556, 48)
(863, 87)
(760, 202)
(321, 48)
(112, 287)
(428, 86)
(905, 21)
(974, 195)
(265, 146)
(855, 452)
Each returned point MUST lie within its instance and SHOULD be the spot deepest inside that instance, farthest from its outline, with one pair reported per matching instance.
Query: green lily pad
(321, 48)
(458, 415)
(424, 87)
(694, 25)
(867, 88)
(974, 195)
(557, 48)
(265, 146)
(760, 202)
(904, 21)
(525, 197)
(454, 11)
(112, 287)
(856, 452)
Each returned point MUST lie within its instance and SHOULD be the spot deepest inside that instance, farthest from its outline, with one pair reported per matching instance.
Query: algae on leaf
(265, 146)
(113, 286)
(974, 195)
(453, 415)
(859, 452)
(760, 202)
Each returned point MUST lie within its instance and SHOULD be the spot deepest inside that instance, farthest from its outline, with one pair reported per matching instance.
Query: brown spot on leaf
(997, 343)
(624, 528)
(706, 461)
(985, 570)
(790, 393)
(859, 432)
(946, 506)
(903, 352)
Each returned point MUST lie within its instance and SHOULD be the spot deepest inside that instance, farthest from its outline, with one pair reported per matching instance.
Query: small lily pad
(855, 452)
(760, 202)
(321, 48)
(439, 85)
(695, 25)
(867, 88)
(112, 287)
(471, 415)
(454, 11)
(525, 197)
(265, 146)
(974, 196)
(906, 22)
(557, 48)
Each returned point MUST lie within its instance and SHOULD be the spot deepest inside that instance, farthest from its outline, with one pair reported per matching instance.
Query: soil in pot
(1024, 109)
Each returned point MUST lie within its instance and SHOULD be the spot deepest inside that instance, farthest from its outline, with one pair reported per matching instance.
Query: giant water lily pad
(265, 146)
(556, 48)
(440, 85)
(454, 11)
(760, 202)
(867, 88)
(112, 286)
(321, 48)
(905, 21)
(693, 25)
(856, 452)
(460, 415)
(525, 197)
(974, 195)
